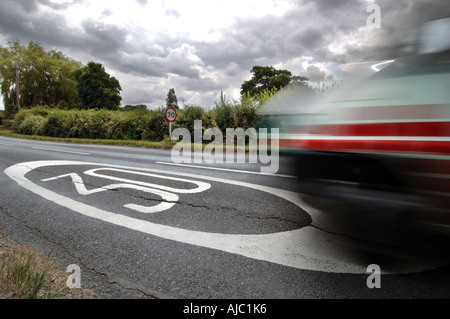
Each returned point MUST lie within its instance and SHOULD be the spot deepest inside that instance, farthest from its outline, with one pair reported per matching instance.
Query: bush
(19, 118)
(244, 115)
(153, 126)
(188, 115)
(8, 123)
(94, 124)
(59, 124)
(32, 125)
(223, 116)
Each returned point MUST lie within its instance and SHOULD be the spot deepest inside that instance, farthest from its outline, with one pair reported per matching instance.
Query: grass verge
(147, 144)
(25, 274)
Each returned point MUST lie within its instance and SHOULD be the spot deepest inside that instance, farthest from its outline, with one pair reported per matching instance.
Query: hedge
(137, 124)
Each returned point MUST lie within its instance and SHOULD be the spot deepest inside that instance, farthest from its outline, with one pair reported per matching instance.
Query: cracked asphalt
(203, 260)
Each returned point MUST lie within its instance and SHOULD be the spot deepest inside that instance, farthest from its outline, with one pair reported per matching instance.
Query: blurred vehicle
(383, 143)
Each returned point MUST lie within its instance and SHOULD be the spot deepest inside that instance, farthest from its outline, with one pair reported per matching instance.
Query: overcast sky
(203, 47)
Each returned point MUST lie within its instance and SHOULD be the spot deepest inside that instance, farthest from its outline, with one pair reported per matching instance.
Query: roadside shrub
(40, 110)
(125, 127)
(8, 123)
(153, 126)
(223, 116)
(32, 125)
(19, 118)
(188, 115)
(97, 123)
(244, 114)
(114, 127)
(59, 124)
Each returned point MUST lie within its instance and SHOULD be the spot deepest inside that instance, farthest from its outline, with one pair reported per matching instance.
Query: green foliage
(45, 78)
(129, 107)
(171, 100)
(241, 113)
(96, 88)
(94, 124)
(154, 126)
(223, 114)
(268, 78)
(59, 124)
(27, 275)
(188, 115)
(32, 125)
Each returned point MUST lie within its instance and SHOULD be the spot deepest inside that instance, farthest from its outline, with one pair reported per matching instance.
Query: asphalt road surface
(140, 226)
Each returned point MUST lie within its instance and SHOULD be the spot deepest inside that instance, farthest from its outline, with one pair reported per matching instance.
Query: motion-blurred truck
(384, 142)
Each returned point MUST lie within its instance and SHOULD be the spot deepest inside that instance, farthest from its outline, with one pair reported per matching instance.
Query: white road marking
(307, 248)
(60, 151)
(201, 186)
(226, 169)
(169, 198)
(5, 144)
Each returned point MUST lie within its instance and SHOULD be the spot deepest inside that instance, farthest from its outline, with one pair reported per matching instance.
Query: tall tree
(171, 100)
(44, 78)
(96, 88)
(267, 78)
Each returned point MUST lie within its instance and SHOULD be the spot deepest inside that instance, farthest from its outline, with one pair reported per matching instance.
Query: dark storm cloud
(306, 30)
(139, 63)
(51, 30)
(315, 74)
(327, 6)
(104, 42)
(27, 6)
(26, 23)
(103, 39)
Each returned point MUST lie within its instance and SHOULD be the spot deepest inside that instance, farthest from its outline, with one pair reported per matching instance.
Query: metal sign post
(171, 116)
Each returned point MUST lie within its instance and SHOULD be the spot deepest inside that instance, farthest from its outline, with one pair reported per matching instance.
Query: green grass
(166, 144)
(147, 144)
(24, 274)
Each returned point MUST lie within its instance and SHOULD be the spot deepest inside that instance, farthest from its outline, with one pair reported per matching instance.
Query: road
(140, 226)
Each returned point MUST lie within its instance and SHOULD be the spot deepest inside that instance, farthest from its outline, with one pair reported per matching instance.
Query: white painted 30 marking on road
(307, 248)
(169, 199)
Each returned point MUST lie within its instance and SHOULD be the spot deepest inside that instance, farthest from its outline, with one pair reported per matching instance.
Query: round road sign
(170, 114)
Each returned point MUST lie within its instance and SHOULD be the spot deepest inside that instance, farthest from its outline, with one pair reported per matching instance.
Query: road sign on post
(171, 116)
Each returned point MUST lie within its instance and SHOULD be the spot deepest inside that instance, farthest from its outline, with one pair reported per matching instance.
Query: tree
(139, 107)
(268, 78)
(96, 88)
(44, 78)
(171, 100)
